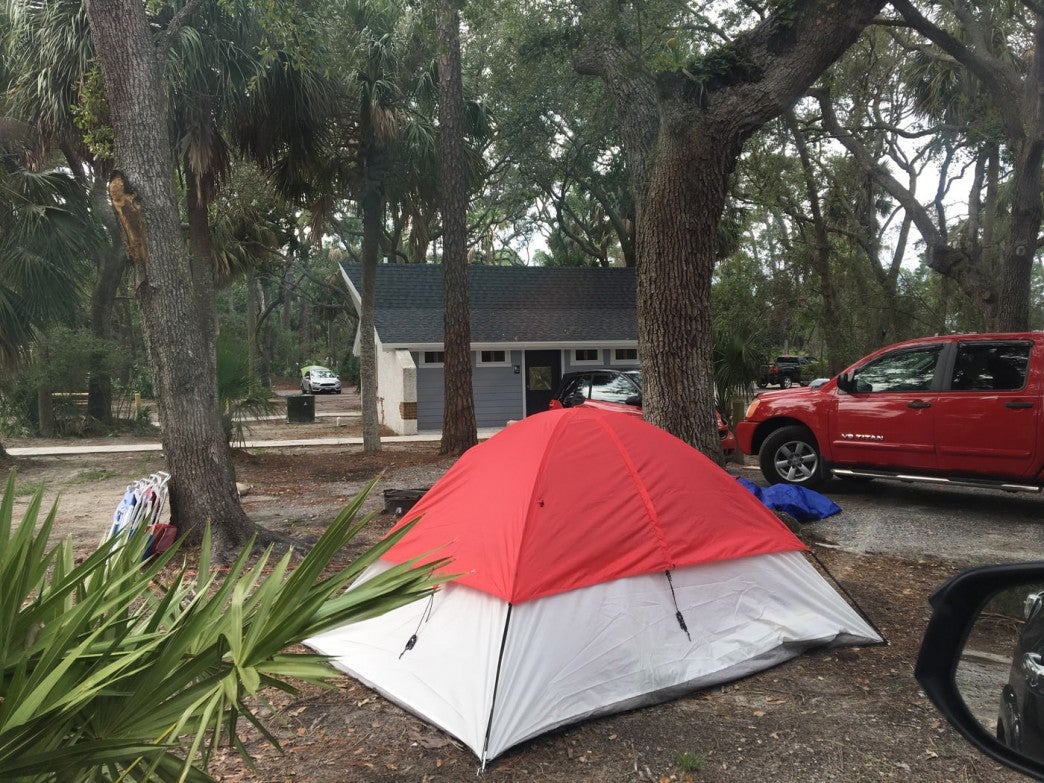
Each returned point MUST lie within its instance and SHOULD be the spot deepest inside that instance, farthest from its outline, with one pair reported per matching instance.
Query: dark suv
(786, 371)
(1021, 722)
(617, 390)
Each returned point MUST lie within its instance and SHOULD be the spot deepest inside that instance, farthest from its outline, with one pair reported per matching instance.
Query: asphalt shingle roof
(508, 304)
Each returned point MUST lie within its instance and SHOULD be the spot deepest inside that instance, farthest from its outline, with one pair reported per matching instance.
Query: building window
(433, 358)
(587, 356)
(492, 358)
(625, 356)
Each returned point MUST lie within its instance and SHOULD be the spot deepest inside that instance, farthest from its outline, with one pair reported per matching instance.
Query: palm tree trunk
(372, 217)
(203, 488)
(111, 263)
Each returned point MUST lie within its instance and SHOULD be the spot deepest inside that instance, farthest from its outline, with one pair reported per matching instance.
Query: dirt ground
(851, 714)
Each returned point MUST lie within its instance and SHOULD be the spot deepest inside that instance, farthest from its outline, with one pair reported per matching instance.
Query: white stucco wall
(397, 390)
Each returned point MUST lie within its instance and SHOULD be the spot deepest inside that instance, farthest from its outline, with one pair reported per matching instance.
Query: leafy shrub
(108, 673)
(18, 414)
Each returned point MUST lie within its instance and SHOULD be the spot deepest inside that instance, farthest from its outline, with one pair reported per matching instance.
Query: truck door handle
(918, 404)
(1018, 404)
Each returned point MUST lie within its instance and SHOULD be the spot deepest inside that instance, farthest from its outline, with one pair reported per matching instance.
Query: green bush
(115, 669)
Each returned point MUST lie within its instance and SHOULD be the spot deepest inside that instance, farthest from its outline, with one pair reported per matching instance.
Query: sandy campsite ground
(852, 714)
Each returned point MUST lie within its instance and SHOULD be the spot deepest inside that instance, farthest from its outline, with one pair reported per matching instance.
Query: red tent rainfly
(577, 497)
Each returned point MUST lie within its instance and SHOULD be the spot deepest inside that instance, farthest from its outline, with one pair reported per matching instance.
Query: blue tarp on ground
(805, 505)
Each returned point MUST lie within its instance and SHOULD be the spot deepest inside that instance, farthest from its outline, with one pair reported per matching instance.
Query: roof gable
(508, 304)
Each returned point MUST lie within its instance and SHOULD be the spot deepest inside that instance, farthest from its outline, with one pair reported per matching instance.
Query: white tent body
(494, 675)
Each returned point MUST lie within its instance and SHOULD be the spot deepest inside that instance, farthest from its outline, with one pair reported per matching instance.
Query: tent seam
(643, 493)
(556, 434)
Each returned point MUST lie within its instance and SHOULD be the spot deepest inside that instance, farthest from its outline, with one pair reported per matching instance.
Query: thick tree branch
(945, 259)
(997, 77)
(773, 64)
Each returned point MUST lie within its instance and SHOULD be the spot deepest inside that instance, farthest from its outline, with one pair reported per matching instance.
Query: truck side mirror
(573, 400)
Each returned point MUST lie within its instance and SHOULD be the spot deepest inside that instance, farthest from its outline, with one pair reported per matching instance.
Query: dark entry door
(543, 371)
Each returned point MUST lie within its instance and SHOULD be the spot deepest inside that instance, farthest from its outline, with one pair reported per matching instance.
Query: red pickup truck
(957, 409)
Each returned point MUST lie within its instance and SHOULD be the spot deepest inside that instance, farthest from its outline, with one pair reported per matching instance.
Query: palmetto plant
(111, 669)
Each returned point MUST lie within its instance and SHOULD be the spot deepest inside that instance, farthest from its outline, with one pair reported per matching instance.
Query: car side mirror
(980, 661)
(635, 400)
(845, 382)
(573, 400)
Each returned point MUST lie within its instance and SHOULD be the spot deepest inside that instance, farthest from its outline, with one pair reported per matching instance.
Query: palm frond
(107, 672)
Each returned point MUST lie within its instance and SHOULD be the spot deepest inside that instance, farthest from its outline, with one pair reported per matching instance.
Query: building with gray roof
(529, 325)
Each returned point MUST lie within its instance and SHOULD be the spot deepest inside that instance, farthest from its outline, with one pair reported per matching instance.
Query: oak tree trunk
(677, 249)
(202, 487)
(458, 419)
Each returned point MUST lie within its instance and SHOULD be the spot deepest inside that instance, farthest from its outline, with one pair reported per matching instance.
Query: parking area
(965, 525)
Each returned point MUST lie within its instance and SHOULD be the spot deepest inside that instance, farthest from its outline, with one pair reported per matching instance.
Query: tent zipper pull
(677, 610)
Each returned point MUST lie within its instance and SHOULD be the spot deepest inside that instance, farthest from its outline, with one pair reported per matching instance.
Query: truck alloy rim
(795, 461)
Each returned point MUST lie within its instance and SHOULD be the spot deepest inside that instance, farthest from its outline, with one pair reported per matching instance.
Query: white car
(317, 380)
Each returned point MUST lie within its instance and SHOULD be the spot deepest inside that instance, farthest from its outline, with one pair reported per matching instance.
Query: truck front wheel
(790, 455)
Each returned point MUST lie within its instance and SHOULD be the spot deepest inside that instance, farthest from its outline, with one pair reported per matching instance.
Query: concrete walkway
(432, 436)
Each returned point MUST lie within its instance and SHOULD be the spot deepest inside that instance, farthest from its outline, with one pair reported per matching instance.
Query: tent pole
(851, 599)
(496, 685)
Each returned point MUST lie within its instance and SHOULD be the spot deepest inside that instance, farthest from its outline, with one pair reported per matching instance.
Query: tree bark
(1026, 213)
(677, 249)
(372, 205)
(253, 307)
(202, 487)
(45, 411)
(459, 432)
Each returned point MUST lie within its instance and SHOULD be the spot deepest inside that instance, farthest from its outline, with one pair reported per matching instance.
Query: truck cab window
(610, 387)
(990, 367)
(908, 370)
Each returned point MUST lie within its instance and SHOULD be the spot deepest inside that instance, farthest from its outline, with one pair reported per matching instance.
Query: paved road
(114, 448)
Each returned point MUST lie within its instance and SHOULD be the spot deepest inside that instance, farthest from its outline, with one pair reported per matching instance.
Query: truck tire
(790, 455)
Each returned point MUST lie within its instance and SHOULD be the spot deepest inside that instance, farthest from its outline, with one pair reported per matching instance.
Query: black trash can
(300, 409)
(399, 501)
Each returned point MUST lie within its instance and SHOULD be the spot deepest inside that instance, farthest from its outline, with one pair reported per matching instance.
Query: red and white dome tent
(606, 565)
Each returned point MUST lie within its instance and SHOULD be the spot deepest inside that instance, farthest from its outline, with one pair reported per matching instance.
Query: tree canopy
(810, 175)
